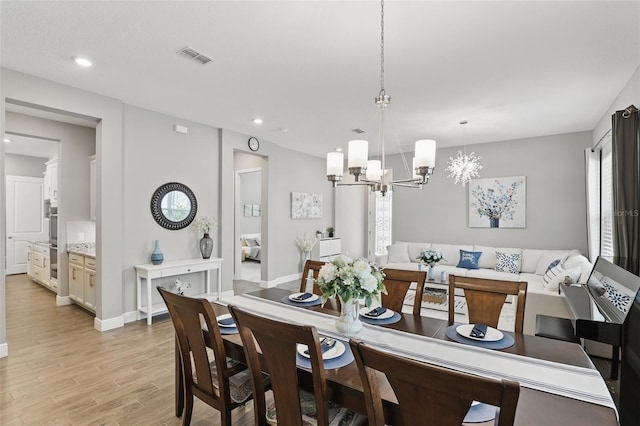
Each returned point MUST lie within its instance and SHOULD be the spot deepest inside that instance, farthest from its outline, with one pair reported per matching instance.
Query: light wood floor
(61, 371)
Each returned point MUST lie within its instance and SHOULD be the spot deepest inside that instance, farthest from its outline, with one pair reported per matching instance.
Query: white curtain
(592, 168)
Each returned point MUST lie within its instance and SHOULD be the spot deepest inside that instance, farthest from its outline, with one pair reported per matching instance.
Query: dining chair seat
(337, 415)
(239, 384)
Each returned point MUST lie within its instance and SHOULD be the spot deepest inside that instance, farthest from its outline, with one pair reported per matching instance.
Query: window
(382, 221)
(606, 201)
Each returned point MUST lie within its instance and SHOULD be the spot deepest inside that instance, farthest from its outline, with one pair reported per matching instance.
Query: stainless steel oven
(53, 242)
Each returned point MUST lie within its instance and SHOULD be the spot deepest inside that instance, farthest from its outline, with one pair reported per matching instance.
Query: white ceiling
(30, 146)
(513, 69)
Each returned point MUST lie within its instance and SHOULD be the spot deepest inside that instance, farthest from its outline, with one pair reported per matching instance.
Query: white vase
(349, 322)
(431, 275)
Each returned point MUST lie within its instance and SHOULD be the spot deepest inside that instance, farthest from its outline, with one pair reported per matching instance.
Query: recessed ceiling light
(339, 149)
(257, 121)
(6, 140)
(83, 62)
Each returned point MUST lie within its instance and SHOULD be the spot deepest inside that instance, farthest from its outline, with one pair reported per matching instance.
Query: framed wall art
(498, 202)
(306, 206)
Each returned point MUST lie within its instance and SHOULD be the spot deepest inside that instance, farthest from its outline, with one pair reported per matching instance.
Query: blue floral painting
(497, 202)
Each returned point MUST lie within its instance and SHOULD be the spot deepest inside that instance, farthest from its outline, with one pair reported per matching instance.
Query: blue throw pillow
(469, 259)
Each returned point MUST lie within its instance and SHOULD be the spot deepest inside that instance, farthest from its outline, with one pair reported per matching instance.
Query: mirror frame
(156, 206)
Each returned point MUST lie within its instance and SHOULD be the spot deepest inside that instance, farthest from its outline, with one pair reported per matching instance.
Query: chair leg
(179, 382)
(188, 409)
(225, 417)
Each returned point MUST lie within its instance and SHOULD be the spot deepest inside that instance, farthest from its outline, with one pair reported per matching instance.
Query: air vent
(194, 55)
(358, 131)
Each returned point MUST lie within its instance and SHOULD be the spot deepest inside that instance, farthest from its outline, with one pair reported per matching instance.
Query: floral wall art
(306, 206)
(497, 202)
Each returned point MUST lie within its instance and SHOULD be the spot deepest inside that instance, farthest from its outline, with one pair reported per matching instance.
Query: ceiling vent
(194, 55)
(358, 131)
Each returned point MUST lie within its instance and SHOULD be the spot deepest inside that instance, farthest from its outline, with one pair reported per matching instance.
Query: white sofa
(533, 266)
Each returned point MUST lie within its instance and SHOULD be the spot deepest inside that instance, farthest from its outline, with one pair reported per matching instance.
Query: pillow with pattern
(552, 264)
(508, 262)
(469, 259)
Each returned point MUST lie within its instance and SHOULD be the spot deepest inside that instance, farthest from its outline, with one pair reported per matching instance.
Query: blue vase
(494, 223)
(156, 255)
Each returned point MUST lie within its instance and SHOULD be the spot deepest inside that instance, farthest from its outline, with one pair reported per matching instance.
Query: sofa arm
(382, 259)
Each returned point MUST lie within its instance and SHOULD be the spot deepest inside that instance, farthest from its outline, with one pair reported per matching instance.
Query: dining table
(539, 363)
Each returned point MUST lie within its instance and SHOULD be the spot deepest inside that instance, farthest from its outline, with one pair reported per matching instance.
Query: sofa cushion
(530, 258)
(534, 282)
(398, 253)
(492, 274)
(450, 252)
(415, 249)
(548, 256)
(488, 258)
(469, 259)
(508, 262)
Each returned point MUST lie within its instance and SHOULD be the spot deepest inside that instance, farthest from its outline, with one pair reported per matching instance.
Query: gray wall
(155, 154)
(77, 143)
(554, 170)
(24, 165)
(630, 95)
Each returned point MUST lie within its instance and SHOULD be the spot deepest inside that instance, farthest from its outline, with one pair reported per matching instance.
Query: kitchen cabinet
(39, 265)
(82, 280)
(326, 249)
(51, 182)
(92, 187)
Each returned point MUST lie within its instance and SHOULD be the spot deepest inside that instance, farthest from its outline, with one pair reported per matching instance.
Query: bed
(251, 247)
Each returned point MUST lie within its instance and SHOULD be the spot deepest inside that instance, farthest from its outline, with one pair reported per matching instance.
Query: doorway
(27, 200)
(248, 253)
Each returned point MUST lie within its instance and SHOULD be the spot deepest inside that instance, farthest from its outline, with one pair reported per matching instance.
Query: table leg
(219, 281)
(138, 294)
(149, 305)
(179, 385)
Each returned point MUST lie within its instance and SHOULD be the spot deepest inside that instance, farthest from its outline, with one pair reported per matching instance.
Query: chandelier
(373, 172)
(464, 167)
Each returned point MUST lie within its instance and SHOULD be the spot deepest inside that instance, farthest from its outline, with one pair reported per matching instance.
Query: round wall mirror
(174, 206)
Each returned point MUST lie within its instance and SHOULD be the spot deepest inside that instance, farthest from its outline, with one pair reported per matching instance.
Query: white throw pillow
(547, 257)
(508, 262)
(581, 262)
(398, 253)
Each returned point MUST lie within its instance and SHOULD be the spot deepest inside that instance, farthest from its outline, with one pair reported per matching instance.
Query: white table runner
(579, 383)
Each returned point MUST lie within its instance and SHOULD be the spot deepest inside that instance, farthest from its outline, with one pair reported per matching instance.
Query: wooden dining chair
(429, 395)
(313, 266)
(202, 377)
(485, 299)
(278, 344)
(397, 283)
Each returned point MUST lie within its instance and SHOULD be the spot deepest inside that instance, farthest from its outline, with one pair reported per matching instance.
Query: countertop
(41, 243)
(82, 249)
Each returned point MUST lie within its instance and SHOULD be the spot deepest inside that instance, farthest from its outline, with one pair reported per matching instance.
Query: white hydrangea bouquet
(430, 257)
(351, 279)
(205, 224)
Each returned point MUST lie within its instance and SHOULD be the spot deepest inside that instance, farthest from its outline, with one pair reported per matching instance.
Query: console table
(174, 268)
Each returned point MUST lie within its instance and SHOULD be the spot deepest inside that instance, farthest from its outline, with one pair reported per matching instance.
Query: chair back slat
(313, 266)
(277, 342)
(397, 283)
(486, 298)
(430, 395)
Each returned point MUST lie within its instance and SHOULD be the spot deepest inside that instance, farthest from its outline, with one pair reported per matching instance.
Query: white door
(25, 219)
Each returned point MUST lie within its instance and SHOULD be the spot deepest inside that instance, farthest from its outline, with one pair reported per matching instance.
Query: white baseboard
(131, 316)
(4, 350)
(63, 300)
(280, 280)
(108, 324)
